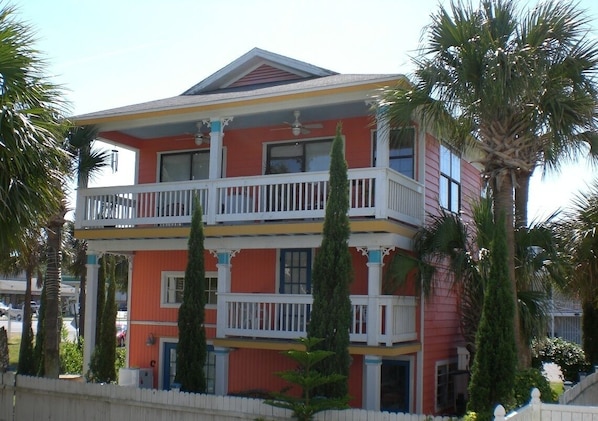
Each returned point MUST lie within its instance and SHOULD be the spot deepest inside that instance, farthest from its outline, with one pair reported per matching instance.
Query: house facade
(252, 141)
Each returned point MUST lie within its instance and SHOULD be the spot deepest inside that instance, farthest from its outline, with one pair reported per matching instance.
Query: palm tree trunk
(523, 179)
(53, 319)
(502, 188)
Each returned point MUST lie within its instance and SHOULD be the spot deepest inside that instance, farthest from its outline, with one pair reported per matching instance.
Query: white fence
(536, 410)
(34, 398)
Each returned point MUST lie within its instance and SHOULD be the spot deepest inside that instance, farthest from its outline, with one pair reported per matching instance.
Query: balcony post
(91, 310)
(221, 371)
(374, 290)
(224, 266)
(382, 139)
(371, 384)
(215, 168)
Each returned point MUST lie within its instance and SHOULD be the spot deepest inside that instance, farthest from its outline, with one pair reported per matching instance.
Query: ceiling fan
(199, 137)
(298, 128)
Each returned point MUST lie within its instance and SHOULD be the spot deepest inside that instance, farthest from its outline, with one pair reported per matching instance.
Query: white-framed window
(298, 156)
(450, 180)
(445, 385)
(173, 284)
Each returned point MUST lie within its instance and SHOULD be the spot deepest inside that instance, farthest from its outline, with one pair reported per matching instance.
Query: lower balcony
(286, 316)
(373, 192)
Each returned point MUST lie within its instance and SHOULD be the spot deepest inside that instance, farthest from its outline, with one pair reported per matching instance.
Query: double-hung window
(450, 180)
(173, 284)
(445, 385)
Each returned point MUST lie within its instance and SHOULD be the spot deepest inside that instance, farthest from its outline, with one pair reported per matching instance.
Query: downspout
(419, 390)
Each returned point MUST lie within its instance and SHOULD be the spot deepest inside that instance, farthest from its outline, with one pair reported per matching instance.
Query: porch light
(150, 340)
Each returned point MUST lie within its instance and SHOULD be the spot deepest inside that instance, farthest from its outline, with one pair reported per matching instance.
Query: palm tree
(462, 248)
(86, 163)
(31, 161)
(518, 89)
(577, 231)
(30, 260)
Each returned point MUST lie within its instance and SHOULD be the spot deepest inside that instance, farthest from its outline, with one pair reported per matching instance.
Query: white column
(371, 384)
(224, 266)
(382, 139)
(129, 288)
(221, 372)
(374, 291)
(91, 293)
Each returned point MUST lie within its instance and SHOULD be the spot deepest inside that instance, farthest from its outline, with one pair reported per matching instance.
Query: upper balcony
(379, 193)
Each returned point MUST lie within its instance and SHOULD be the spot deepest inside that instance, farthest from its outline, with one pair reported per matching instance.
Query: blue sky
(112, 53)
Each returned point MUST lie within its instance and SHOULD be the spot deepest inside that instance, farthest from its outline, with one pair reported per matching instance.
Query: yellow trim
(221, 106)
(272, 345)
(247, 230)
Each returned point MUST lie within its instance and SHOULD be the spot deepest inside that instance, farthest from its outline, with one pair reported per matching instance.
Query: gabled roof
(258, 67)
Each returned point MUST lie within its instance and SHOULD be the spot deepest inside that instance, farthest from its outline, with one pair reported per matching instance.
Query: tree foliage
(102, 363)
(495, 360)
(192, 348)
(32, 163)
(516, 88)
(331, 277)
(307, 377)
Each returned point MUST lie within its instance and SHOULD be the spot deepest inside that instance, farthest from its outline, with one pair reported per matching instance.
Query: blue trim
(373, 360)
(375, 256)
(92, 259)
(215, 125)
(224, 258)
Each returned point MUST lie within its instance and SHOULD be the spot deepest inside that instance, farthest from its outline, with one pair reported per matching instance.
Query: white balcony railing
(285, 316)
(375, 192)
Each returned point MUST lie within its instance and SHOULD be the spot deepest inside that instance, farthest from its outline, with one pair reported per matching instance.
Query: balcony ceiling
(274, 118)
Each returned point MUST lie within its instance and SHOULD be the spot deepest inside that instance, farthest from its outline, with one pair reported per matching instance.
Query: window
(445, 385)
(209, 369)
(450, 180)
(401, 153)
(295, 271)
(183, 166)
(211, 289)
(298, 157)
(173, 284)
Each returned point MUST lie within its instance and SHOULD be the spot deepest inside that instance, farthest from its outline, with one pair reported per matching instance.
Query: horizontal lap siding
(441, 325)
(255, 370)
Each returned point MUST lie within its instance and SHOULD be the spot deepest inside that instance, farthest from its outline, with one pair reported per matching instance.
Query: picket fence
(583, 393)
(537, 411)
(34, 398)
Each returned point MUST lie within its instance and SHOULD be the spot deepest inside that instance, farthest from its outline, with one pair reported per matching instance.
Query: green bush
(71, 357)
(525, 381)
(567, 355)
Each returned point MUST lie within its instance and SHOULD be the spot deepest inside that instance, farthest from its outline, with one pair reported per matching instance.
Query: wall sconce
(150, 340)
(114, 160)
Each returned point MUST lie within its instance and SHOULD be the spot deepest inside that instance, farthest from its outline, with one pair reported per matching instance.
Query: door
(169, 365)
(295, 278)
(394, 390)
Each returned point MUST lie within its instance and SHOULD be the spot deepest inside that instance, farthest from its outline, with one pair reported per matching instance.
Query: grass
(557, 387)
(14, 344)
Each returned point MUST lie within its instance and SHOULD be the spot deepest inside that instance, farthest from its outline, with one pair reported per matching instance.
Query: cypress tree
(495, 359)
(589, 329)
(331, 276)
(104, 357)
(192, 348)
